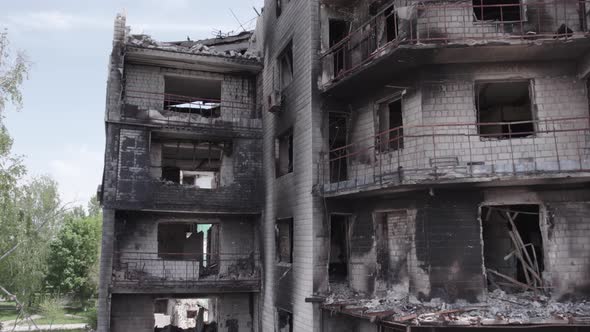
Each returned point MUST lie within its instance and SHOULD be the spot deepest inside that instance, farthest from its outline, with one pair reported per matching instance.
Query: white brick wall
(289, 195)
(446, 96)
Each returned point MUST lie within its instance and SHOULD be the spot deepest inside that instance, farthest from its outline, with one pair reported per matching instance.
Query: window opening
(189, 241)
(504, 109)
(391, 126)
(338, 132)
(197, 314)
(497, 10)
(513, 247)
(338, 266)
(285, 321)
(279, 7)
(390, 24)
(285, 240)
(339, 29)
(192, 95)
(190, 163)
(284, 153)
(286, 66)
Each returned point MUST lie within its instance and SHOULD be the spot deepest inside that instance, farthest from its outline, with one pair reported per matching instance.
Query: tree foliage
(14, 69)
(74, 254)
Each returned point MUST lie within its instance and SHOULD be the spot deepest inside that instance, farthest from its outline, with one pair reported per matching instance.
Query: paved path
(44, 327)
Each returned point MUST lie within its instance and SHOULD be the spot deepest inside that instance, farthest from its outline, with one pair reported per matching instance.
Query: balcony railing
(189, 271)
(438, 22)
(173, 109)
(427, 154)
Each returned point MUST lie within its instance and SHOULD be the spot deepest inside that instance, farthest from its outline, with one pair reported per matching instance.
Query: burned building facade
(181, 186)
(401, 166)
(440, 159)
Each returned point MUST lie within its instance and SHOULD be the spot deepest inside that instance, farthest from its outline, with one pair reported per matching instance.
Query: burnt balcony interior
(207, 100)
(161, 251)
(193, 96)
(513, 247)
(339, 248)
(186, 314)
(385, 26)
(190, 241)
(195, 163)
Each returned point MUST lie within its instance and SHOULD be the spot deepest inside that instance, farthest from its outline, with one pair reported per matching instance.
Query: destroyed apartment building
(362, 166)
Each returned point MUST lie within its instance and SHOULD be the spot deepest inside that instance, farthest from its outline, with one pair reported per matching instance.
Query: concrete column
(106, 266)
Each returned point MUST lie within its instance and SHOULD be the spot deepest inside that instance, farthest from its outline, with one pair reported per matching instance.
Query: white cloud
(78, 173)
(54, 20)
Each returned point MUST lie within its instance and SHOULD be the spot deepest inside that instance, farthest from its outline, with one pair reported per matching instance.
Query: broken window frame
(499, 136)
(189, 103)
(284, 141)
(284, 224)
(285, 62)
(476, 5)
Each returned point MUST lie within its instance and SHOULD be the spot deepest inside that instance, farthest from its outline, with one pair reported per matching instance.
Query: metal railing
(449, 151)
(150, 269)
(173, 109)
(438, 22)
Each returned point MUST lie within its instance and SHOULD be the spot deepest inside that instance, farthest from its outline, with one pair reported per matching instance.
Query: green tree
(14, 68)
(29, 217)
(73, 256)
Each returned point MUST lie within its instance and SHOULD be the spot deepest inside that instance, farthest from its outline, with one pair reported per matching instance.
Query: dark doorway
(338, 30)
(513, 246)
(338, 267)
(338, 132)
(391, 131)
(390, 24)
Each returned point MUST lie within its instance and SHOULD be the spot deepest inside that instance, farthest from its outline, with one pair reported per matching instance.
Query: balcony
(459, 152)
(178, 273)
(434, 32)
(166, 109)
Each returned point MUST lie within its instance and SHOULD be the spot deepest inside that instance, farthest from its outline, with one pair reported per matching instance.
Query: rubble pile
(146, 41)
(499, 308)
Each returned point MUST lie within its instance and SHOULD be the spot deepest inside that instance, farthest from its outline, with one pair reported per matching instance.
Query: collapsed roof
(236, 46)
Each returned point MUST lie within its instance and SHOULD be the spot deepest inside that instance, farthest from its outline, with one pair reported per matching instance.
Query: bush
(92, 318)
(52, 308)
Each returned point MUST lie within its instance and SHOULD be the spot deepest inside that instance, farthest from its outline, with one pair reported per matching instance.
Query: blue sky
(60, 130)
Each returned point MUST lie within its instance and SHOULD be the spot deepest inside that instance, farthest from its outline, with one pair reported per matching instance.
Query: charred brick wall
(432, 247)
(289, 196)
(134, 188)
(448, 242)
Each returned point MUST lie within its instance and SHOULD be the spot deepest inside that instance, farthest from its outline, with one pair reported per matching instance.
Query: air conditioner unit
(275, 100)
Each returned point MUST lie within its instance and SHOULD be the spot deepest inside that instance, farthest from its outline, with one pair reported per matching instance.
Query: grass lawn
(7, 311)
(61, 320)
